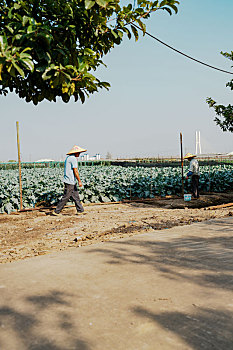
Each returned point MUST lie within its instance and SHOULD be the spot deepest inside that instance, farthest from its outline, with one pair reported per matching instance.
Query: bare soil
(33, 233)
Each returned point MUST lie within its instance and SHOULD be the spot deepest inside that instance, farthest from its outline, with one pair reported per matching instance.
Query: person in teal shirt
(71, 174)
(71, 163)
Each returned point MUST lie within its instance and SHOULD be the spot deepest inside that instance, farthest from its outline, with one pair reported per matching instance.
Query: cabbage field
(106, 183)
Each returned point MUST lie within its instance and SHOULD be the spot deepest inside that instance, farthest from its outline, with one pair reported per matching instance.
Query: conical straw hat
(76, 149)
(189, 155)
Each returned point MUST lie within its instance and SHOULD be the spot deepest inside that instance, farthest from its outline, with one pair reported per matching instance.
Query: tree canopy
(224, 114)
(52, 48)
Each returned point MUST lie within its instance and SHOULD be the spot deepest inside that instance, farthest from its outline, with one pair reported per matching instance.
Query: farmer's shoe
(55, 214)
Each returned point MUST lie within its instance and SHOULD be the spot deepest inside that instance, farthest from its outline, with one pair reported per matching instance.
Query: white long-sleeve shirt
(194, 167)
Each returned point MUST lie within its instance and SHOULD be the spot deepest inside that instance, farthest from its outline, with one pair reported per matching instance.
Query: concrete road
(169, 289)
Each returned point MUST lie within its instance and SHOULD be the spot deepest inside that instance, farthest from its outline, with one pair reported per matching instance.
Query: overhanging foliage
(224, 114)
(51, 48)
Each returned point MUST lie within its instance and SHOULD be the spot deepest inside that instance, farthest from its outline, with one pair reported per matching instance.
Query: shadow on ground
(206, 329)
(211, 258)
(46, 326)
(204, 261)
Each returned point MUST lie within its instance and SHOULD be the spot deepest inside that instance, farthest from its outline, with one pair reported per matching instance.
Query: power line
(181, 53)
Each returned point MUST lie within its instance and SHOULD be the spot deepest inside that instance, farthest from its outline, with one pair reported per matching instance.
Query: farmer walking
(70, 175)
(193, 173)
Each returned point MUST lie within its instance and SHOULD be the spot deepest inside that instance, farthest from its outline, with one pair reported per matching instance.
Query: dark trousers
(195, 186)
(70, 191)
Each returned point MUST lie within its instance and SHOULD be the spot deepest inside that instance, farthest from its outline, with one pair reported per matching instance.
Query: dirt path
(28, 234)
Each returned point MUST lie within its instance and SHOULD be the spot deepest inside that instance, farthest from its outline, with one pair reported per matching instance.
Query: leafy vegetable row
(106, 183)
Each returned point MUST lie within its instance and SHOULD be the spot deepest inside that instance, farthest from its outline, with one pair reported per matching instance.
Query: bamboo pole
(182, 162)
(151, 175)
(220, 206)
(19, 163)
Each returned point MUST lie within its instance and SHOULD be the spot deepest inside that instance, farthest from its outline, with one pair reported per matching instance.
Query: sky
(155, 94)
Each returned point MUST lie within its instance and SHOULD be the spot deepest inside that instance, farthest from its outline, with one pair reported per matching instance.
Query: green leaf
(18, 36)
(65, 90)
(120, 34)
(168, 10)
(105, 85)
(72, 88)
(3, 41)
(30, 29)
(75, 97)
(29, 64)
(17, 6)
(155, 3)
(10, 29)
(102, 3)
(25, 20)
(65, 98)
(127, 31)
(114, 33)
(82, 65)
(82, 96)
(163, 3)
(143, 26)
(46, 75)
(89, 4)
(26, 49)
(41, 97)
(89, 75)
(135, 32)
(87, 50)
(57, 81)
(1, 67)
(174, 8)
(35, 100)
(21, 72)
(69, 66)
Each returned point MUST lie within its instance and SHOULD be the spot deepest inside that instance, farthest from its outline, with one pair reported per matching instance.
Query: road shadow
(46, 325)
(219, 224)
(49, 299)
(204, 329)
(205, 261)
